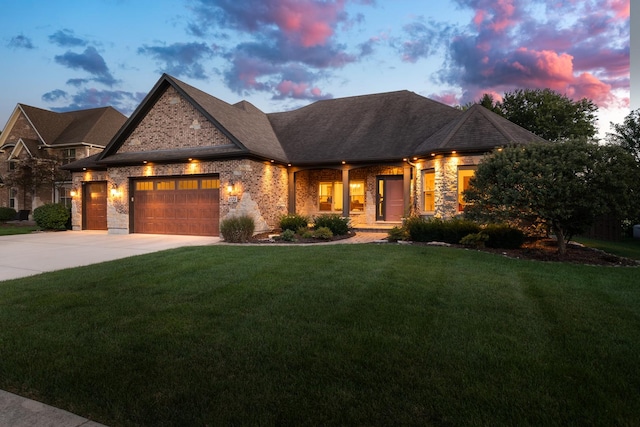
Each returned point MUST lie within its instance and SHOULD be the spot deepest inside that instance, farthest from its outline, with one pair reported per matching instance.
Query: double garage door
(177, 206)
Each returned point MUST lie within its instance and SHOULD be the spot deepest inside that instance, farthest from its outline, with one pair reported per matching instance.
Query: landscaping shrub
(7, 214)
(237, 229)
(288, 235)
(396, 233)
(338, 225)
(293, 222)
(503, 236)
(323, 233)
(475, 240)
(52, 216)
(434, 229)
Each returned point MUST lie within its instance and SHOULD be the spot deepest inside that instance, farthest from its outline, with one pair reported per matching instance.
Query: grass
(628, 247)
(9, 229)
(327, 335)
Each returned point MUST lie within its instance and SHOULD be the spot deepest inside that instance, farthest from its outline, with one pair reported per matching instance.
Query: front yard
(327, 335)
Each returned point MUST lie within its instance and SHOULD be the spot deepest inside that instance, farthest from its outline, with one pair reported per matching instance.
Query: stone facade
(446, 183)
(259, 190)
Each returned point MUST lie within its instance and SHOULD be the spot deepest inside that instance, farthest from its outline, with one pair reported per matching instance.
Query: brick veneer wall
(260, 190)
(173, 123)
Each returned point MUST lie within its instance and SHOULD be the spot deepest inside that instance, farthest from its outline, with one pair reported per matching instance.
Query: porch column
(292, 191)
(406, 181)
(346, 193)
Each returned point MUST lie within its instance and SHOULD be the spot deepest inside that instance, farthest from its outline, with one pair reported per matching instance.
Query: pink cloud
(622, 8)
(290, 89)
(588, 86)
(448, 98)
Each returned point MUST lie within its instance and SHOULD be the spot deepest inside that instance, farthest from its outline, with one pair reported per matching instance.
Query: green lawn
(628, 247)
(9, 229)
(327, 335)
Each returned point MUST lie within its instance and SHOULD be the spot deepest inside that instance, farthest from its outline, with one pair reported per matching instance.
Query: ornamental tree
(549, 114)
(564, 187)
(627, 134)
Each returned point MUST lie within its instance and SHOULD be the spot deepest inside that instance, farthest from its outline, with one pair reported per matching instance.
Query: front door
(95, 206)
(390, 198)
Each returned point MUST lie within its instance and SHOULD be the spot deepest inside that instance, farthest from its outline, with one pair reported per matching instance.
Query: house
(186, 160)
(46, 140)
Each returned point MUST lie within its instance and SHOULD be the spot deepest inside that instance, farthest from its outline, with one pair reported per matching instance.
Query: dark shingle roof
(477, 129)
(362, 128)
(94, 126)
(369, 128)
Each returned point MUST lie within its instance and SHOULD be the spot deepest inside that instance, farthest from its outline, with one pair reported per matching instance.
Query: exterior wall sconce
(73, 192)
(114, 191)
(231, 187)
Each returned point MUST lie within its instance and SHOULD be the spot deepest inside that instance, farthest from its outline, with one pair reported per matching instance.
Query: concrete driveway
(28, 254)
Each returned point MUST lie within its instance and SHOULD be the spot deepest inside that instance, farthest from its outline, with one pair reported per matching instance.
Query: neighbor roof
(94, 126)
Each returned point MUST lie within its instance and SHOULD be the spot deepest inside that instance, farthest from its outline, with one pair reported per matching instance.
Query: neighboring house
(186, 160)
(45, 139)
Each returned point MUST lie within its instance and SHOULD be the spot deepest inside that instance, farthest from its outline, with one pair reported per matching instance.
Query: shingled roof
(369, 128)
(385, 126)
(94, 126)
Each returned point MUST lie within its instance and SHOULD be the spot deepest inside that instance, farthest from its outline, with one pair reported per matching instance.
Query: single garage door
(177, 206)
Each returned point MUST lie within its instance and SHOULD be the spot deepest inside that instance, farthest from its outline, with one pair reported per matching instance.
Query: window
(13, 194)
(68, 155)
(464, 175)
(210, 184)
(429, 184)
(330, 196)
(64, 196)
(144, 185)
(191, 184)
(356, 196)
(166, 185)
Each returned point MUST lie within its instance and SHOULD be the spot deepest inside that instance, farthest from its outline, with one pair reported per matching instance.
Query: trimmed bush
(396, 233)
(52, 216)
(323, 233)
(503, 236)
(293, 222)
(437, 230)
(237, 229)
(288, 235)
(338, 225)
(475, 240)
(7, 214)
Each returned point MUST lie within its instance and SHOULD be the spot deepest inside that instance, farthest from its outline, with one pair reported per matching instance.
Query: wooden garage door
(177, 206)
(95, 205)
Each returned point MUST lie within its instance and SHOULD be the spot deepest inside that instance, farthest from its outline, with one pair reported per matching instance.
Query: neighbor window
(68, 155)
(13, 195)
(429, 184)
(464, 175)
(64, 196)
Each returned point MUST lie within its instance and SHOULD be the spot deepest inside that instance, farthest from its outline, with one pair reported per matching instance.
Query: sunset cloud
(291, 44)
(123, 101)
(507, 46)
(180, 59)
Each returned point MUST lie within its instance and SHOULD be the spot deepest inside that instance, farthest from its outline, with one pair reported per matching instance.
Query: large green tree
(627, 134)
(562, 186)
(549, 114)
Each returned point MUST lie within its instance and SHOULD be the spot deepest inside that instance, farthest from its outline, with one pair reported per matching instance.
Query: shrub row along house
(36, 142)
(186, 160)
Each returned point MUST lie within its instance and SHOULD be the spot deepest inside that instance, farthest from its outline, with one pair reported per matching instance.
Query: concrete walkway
(28, 254)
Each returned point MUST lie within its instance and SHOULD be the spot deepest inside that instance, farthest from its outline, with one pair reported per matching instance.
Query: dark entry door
(95, 206)
(390, 198)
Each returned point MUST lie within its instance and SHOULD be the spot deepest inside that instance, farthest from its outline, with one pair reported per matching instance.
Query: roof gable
(477, 129)
(246, 129)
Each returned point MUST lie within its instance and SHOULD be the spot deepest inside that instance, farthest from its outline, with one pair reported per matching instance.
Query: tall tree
(562, 186)
(549, 114)
(627, 134)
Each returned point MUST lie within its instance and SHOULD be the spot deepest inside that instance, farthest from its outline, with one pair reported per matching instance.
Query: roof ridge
(492, 117)
(459, 122)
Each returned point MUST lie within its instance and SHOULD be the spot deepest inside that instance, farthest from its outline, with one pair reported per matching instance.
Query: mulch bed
(538, 250)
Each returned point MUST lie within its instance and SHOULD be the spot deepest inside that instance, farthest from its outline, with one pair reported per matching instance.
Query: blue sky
(283, 54)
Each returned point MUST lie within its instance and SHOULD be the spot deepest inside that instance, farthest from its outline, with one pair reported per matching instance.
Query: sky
(283, 54)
